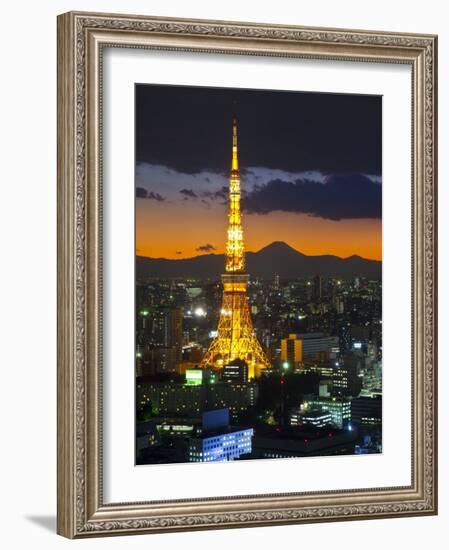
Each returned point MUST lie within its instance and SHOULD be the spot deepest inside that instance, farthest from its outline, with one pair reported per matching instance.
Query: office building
(346, 378)
(298, 347)
(338, 408)
(314, 417)
(220, 442)
(324, 369)
(317, 285)
(185, 399)
(291, 350)
(367, 410)
(168, 330)
(235, 372)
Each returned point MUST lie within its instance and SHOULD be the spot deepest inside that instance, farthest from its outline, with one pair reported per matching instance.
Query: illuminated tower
(235, 338)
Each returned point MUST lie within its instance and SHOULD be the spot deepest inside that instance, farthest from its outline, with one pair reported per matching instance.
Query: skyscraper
(317, 288)
(291, 350)
(235, 338)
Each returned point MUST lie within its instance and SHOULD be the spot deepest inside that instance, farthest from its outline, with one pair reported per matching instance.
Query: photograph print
(258, 274)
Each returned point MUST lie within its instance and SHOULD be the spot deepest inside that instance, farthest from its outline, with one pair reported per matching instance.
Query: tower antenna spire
(235, 158)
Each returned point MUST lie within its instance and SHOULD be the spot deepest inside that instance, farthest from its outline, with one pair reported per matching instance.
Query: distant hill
(278, 258)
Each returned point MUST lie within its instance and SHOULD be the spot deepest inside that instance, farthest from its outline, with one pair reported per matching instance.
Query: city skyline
(325, 205)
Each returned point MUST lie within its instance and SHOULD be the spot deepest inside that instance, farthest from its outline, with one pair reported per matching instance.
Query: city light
(200, 312)
(285, 365)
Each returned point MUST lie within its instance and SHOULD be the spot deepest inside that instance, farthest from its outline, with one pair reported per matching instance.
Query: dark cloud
(142, 193)
(340, 197)
(206, 248)
(220, 194)
(189, 193)
(188, 129)
(155, 196)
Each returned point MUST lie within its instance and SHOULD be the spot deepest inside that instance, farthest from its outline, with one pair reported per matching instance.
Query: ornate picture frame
(82, 38)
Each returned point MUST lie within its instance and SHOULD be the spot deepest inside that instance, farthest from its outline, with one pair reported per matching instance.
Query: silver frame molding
(81, 38)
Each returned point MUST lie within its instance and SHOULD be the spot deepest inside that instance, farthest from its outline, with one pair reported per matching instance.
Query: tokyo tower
(235, 338)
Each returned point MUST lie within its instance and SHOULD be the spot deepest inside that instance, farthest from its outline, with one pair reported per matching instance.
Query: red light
(329, 435)
(282, 381)
(306, 440)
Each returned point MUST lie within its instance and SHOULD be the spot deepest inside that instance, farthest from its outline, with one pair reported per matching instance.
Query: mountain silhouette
(278, 258)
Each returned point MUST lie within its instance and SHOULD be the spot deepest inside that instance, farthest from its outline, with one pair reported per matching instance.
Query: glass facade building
(221, 447)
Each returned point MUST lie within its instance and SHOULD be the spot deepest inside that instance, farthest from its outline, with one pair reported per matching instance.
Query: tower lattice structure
(236, 338)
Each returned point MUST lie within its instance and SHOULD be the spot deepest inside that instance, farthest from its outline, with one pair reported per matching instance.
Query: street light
(285, 365)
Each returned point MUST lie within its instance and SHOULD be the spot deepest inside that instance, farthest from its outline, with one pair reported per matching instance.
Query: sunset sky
(310, 165)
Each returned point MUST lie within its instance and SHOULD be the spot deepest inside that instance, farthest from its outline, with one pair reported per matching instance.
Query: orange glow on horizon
(176, 230)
